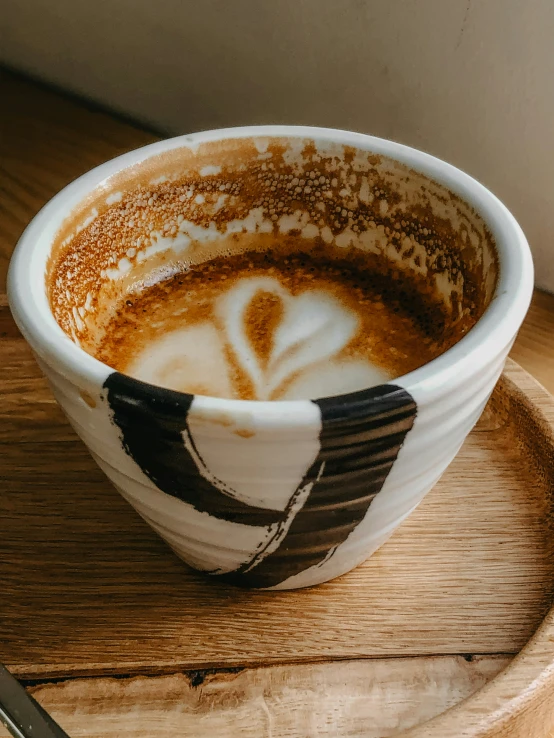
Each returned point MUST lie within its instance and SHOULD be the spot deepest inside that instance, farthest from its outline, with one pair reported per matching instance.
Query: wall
(471, 81)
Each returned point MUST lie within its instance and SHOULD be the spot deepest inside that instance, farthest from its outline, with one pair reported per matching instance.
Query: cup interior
(190, 204)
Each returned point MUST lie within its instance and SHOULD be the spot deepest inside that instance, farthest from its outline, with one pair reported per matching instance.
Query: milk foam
(304, 360)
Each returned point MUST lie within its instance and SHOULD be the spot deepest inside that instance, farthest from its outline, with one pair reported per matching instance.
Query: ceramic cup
(291, 493)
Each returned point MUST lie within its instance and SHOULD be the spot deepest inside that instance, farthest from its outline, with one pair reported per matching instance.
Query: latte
(292, 321)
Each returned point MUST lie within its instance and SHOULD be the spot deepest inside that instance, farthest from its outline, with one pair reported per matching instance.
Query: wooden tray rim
(520, 700)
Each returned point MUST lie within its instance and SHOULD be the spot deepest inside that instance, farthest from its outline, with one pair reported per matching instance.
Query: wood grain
(373, 699)
(534, 347)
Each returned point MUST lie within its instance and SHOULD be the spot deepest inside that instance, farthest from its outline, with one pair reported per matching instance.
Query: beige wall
(471, 81)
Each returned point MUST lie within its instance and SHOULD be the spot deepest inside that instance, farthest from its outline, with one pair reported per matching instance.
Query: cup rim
(491, 335)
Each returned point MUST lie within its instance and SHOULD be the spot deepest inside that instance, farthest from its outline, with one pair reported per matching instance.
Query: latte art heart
(267, 325)
(303, 355)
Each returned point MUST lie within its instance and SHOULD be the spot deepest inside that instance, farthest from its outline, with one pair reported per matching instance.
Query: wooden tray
(89, 593)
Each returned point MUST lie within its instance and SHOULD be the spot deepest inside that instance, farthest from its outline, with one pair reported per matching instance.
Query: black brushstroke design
(152, 421)
(361, 436)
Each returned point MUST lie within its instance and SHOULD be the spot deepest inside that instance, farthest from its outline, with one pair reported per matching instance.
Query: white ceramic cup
(293, 493)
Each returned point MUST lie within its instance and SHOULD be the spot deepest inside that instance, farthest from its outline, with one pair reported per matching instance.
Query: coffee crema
(270, 268)
(295, 320)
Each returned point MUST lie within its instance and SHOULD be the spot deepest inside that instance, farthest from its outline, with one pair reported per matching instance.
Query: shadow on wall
(467, 80)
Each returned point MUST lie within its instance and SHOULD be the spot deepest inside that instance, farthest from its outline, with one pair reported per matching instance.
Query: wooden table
(46, 140)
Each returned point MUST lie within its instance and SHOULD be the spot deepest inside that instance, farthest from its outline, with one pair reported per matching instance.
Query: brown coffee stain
(87, 398)
(225, 420)
(214, 417)
(244, 432)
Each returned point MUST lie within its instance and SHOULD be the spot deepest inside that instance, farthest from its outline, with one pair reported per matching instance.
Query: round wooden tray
(118, 639)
